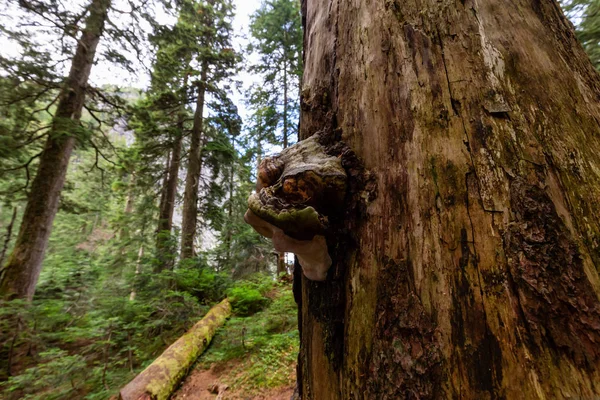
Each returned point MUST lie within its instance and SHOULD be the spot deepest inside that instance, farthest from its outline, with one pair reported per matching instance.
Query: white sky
(106, 73)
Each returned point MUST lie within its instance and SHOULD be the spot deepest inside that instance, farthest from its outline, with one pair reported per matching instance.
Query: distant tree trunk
(281, 269)
(138, 265)
(19, 277)
(129, 200)
(259, 149)
(228, 237)
(8, 236)
(167, 206)
(285, 106)
(192, 179)
(163, 188)
(466, 262)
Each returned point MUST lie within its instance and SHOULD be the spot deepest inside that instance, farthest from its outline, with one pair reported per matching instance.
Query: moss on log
(160, 379)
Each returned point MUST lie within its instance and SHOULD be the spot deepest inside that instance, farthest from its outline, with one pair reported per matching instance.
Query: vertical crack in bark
(456, 111)
(453, 103)
(335, 82)
(473, 171)
(488, 340)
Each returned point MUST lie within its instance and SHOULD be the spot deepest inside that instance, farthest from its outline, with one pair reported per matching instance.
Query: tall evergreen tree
(277, 37)
(168, 97)
(262, 124)
(19, 276)
(216, 61)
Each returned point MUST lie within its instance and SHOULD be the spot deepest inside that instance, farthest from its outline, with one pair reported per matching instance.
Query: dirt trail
(199, 383)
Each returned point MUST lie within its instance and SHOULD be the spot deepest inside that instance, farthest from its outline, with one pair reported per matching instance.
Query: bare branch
(23, 165)
(27, 174)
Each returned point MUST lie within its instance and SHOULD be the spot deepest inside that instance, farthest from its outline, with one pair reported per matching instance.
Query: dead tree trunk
(20, 275)
(466, 264)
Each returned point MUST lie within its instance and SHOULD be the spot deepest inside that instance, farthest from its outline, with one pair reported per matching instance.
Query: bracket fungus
(296, 191)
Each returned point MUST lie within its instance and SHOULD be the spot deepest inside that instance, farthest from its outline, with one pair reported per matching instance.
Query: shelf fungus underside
(295, 193)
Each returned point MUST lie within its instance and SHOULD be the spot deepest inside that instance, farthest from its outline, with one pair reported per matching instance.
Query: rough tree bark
(466, 263)
(20, 275)
(192, 179)
(8, 235)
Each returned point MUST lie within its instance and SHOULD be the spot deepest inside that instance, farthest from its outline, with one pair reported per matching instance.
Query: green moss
(295, 222)
(163, 375)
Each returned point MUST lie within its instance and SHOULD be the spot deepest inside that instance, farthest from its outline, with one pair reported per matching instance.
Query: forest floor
(207, 384)
(251, 357)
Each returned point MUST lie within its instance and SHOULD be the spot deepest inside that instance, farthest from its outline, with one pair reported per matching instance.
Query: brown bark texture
(160, 379)
(192, 179)
(20, 275)
(466, 262)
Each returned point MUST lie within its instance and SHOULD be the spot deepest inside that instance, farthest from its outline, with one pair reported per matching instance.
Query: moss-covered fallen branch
(160, 379)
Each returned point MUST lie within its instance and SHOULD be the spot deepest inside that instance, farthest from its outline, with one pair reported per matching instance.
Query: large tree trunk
(20, 275)
(192, 179)
(466, 265)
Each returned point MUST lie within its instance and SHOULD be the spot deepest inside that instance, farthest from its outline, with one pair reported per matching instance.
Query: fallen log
(159, 380)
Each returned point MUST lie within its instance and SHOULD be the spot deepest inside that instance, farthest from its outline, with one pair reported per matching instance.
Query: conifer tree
(19, 276)
(168, 96)
(277, 37)
(216, 61)
(53, 36)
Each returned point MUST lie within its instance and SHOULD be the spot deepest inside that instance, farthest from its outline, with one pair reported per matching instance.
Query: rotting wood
(470, 270)
(160, 379)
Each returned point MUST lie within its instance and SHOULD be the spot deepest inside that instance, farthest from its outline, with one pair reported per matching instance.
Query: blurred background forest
(149, 229)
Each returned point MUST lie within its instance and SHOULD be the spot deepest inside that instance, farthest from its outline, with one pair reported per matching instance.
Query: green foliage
(262, 347)
(585, 15)
(57, 370)
(248, 297)
(105, 305)
(246, 301)
(276, 32)
(203, 283)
